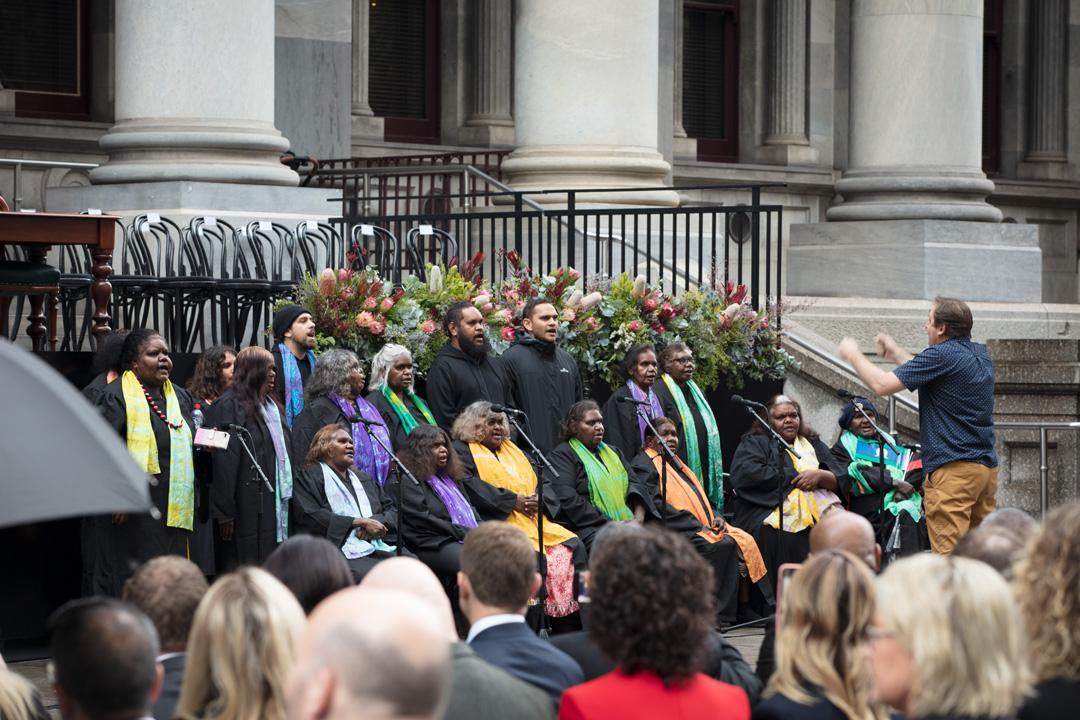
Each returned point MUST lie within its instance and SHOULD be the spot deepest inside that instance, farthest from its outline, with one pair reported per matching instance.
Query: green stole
(608, 481)
(408, 422)
(864, 453)
(714, 474)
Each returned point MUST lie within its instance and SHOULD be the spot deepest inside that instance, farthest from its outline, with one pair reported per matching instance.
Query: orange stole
(690, 497)
(511, 470)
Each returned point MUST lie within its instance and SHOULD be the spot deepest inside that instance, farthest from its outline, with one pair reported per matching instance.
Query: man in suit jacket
(168, 589)
(497, 578)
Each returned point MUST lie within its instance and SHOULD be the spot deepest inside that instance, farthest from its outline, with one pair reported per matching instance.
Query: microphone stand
(400, 469)
(539, 462)
(257, 474)
(665, 456)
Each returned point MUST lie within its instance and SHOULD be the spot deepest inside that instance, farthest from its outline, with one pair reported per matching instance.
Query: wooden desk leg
(36, 322)
(101, 290)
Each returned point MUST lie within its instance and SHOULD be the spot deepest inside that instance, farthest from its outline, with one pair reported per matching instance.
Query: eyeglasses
(685, 360)
(874, 633)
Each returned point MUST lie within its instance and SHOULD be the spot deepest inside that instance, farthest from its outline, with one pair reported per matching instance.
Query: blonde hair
(966, 641)
(827, 609)
(241, 648)
(471, 424)
(1048, 589)
(380, 364)
(19, 699)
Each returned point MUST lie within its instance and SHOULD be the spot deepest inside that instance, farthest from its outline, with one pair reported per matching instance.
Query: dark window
(403, 69)
(45, 56)
(710, 78)
(991, 97)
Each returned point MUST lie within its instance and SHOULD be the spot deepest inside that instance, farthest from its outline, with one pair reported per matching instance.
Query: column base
(1042, 170)
(787, 155)
(684, 148)
(916, 259)
(216, 151)
(916, 193)
(7, 103)
(499, 133)
(366, 128)
(555, 167)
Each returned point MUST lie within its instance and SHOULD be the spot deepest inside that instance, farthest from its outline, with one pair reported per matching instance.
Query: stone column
(194, 94)
(684, 146)
(916, 113)
(489, 120)
(786, 139)
(364, 123)
(1047, 71)
(585, 102)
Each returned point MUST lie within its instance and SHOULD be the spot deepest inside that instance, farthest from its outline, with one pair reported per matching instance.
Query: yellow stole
(510, 470)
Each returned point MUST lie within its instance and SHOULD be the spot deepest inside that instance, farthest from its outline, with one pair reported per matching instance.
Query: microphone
(506, 409)
(743, 401)
(628, 399)
(353, 419)
(237, 428)
(845, 394)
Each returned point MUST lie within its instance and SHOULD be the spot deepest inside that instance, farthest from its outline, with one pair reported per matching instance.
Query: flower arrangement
(597, 324)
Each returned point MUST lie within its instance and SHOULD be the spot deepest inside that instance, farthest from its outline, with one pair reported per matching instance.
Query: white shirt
(491, 621)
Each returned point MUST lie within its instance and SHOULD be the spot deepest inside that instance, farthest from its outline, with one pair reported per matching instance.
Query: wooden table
(38, 232)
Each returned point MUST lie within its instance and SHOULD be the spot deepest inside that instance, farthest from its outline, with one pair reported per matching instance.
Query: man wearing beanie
(294, 357)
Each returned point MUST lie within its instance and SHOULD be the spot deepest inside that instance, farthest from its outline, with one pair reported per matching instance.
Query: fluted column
(915, 148)
(682, 146)
(785, 122)
(585, 105)
(194, 97)
(1047, 69)
(491, 73)
(364, 123)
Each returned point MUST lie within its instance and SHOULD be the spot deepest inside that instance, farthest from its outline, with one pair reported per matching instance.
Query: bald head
(409, 575)
(370, 654)
(843, 530)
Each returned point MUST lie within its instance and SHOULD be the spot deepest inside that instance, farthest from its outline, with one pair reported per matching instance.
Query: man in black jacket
(464, 371)
(544, 380)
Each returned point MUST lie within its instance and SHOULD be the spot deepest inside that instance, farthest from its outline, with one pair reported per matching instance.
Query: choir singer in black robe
(594, 486)
(392, 394)
(623, 426)
(464, 371)
(334, 500)
(252, 517)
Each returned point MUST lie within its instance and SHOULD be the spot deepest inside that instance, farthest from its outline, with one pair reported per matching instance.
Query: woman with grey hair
(333, 397)
(393, 396)
(501, 484)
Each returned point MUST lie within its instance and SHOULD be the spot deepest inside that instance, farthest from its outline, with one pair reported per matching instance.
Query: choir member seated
(333, 397)
(393, 396)
(624, 427)
(689, 513)
(501, 483)
(593, 486)
(762, 474)
(345, 505)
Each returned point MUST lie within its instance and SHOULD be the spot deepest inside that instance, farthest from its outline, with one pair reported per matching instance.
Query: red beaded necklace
(157, 410)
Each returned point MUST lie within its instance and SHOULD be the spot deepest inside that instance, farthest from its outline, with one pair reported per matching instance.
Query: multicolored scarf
(408, 422)
(283, 468)
(608, 481)
(864, 453)
(351, 504)
(294, 384)
(369, 456)
(461, 512)
(714, 477)
(654, 409)
(143, 447)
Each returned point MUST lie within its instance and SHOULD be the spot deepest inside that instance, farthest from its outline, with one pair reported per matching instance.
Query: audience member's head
(409, 575)
(959, 651)
(241, 648)
(997, 546)
(498, 571)
(19, 699)
(652, 603)
(843, 530)
(105, 658)
(167, 589)
(1048, 588)
(371, 653)
(107, 357)
(826, 612)
(312, 567)
(1014, 520)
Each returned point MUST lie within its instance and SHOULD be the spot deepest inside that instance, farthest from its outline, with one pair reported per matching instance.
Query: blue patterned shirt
(955, 380)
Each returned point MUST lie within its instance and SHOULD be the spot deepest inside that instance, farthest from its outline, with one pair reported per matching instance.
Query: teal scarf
(713, 476)
(294, 386)
(864, 454)
(608, 481)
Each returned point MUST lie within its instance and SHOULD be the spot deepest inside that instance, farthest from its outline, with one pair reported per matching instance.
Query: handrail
(18, 163)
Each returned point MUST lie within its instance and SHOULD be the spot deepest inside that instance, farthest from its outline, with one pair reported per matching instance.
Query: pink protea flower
(487, 308)
(634, 325)
(667, 312)
(376, 328)
(507, 334)
(364, 320)
(592, 324)
(344, 274)
(428, 327)
(327, 282)
(650, 304)
(371, 303)
(386, 305)
(569, 315)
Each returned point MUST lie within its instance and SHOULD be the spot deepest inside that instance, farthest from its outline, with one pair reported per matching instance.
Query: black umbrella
(58, 458)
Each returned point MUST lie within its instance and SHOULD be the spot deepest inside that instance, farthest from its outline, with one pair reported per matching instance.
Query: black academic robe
(238, 493)
(491, 503)
(621, 422)
(870, 505)
(671, 411)
(722, 555)
(311, 511)
(96, 387)
(758, 471)
(316, 414)
(423, 520)
(457, 379)
(544, 382)
(398, 436)
(117, 549)
(575, 510)
(279, 383)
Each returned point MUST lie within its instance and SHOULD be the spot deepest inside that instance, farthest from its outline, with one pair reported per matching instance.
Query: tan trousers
(956, 497)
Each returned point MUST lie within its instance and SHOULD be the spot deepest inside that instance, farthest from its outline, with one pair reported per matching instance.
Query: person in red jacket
(652, 608)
